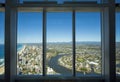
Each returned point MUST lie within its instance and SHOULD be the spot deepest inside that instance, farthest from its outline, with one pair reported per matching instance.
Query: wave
(19, 47)
(1, 62)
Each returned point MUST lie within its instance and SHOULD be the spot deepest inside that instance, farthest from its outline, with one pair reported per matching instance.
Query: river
(54, 64)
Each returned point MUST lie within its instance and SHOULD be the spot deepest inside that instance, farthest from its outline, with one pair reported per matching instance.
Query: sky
(29, 27)
(117, 1)
(118, 27)
(59, 27)
(1, 27)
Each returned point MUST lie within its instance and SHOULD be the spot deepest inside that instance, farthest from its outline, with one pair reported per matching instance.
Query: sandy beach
(2, 70)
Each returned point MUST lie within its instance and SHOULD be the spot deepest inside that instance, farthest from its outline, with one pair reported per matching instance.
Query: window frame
(44, 44)
(108, 13)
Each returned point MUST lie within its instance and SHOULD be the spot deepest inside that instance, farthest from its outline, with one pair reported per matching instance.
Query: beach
(2, 70)
(1, 66)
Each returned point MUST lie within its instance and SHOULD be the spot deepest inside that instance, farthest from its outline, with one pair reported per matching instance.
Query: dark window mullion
(102, 42)
(44, 42)
(73, 42)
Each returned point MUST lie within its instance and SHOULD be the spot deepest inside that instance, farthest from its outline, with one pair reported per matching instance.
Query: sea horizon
(19, 45)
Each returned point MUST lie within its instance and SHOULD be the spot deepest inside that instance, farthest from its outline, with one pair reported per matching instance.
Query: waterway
(54, 64)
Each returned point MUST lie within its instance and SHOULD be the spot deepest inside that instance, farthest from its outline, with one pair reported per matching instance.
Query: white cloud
(1, 41)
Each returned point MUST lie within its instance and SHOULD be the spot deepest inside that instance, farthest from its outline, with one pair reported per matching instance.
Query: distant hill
(118, 44)
(89, 43)
(77, 43)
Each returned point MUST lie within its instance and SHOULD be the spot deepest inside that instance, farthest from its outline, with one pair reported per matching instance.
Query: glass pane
(88, 43)
(2, 42)
(62, 1)
(29, 44)
(21, 1)
(2, 1)
(59, 45)
(117, 1)
(118, 43)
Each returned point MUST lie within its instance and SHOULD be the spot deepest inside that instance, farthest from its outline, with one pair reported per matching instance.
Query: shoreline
(2, 66)
(2, 62)
(1, 70)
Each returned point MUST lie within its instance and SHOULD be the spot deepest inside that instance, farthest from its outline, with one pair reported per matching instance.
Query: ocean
(1, 51)
(19, 46)
(1, 55)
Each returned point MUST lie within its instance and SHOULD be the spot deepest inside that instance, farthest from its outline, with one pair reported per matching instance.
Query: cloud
(1, 41)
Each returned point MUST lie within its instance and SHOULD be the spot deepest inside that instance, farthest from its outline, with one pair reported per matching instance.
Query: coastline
(2, 60)
(2, 66)
(1, 70)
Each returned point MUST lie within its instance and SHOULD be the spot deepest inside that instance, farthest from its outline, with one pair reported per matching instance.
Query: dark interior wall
(118, 80)
(28, 80)
(2, 80)
(85, 80)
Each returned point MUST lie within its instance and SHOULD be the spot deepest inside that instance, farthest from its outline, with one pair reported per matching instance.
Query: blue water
(19, 46)
(1, 51)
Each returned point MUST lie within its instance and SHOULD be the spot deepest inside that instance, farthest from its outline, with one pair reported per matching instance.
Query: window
(21, 1)
(2, 1)
(88, 43)
(118, 43)
(92, 1)
(59, 43)
(117, 1)
(29, 44)
(1, 43)
(62, 1)
(68, 41)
